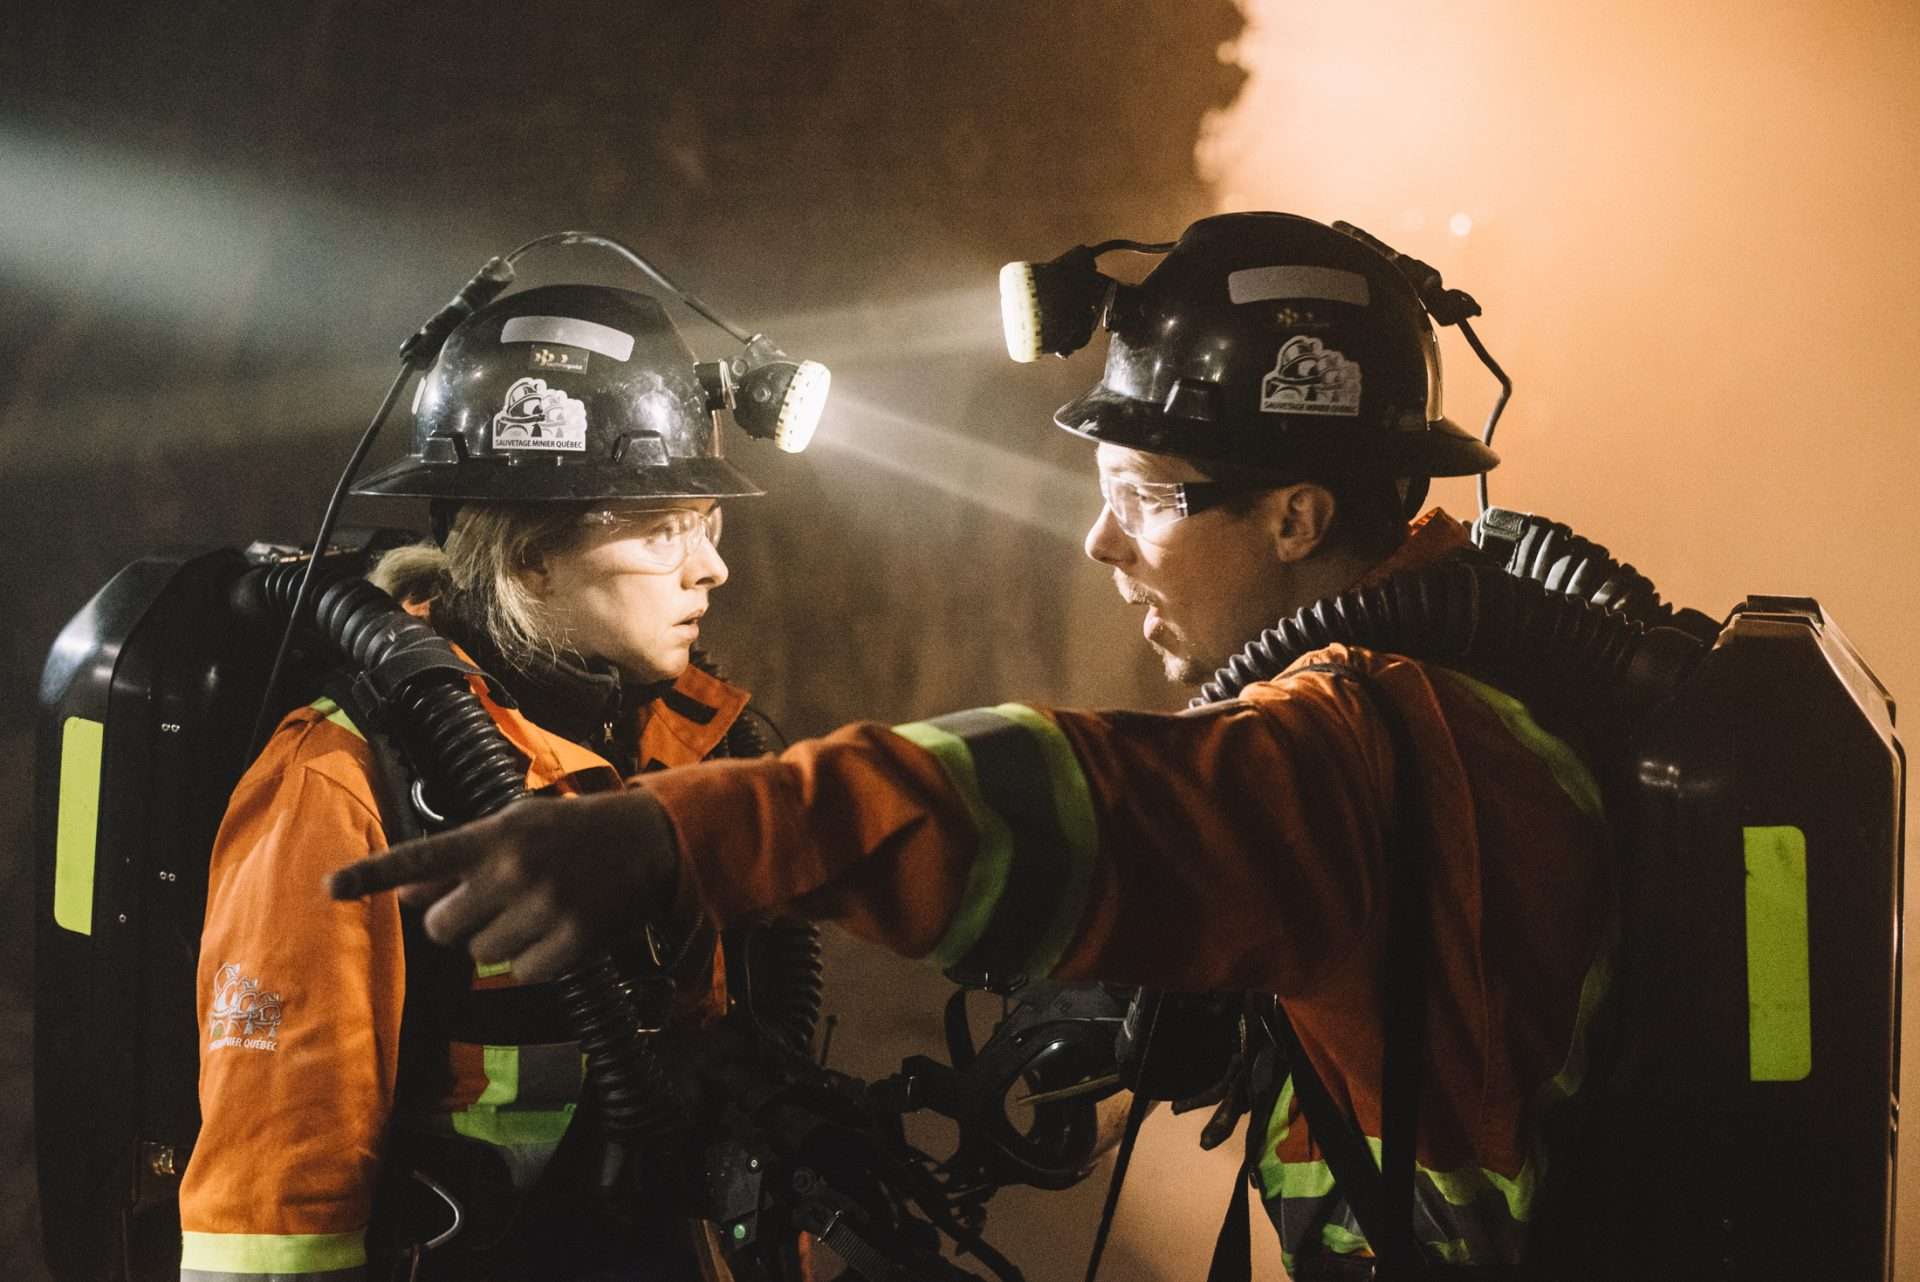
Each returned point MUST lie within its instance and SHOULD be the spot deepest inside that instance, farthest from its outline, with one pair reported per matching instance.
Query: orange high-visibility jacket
(1235, 848)
(301, 998)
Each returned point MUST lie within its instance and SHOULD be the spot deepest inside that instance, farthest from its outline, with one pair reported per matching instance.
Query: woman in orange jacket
(576, 558)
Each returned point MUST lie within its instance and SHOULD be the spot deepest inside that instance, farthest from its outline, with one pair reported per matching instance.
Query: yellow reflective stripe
(1272, 1169)
(487, 970)
(332, 711)
(492, 1118)
(502, 1066)
(513, 1127)
(77, 831)
(273, 1252)
(987, 878)
(1569, 771)
(1073, 805)
(1343, 1241)
(1779, 988)
(1594, 991)
(1461, 1187)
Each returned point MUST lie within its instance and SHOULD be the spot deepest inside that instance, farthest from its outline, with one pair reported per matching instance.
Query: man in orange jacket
(1268, 417)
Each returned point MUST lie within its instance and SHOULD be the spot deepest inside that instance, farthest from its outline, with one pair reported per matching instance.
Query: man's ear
(1299, 518)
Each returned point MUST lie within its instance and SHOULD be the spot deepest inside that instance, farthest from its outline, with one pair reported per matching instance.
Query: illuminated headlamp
(774, 397)
(1053, 306)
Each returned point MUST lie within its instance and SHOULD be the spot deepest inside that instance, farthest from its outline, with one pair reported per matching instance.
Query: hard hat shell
(566, 393)
(1275, 341)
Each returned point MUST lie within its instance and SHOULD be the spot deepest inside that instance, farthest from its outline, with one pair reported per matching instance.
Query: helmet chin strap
(1413, 493)
(441, 514)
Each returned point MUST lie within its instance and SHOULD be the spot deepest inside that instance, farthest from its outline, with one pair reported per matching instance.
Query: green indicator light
(739, 1232)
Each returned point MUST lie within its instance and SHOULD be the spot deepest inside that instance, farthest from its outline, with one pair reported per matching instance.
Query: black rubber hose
(473, 771)
(786, 981)
(783, 967)
(1577, 663)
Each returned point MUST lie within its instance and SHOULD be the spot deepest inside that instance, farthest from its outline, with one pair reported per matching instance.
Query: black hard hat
(1276, 341)
(565, 392)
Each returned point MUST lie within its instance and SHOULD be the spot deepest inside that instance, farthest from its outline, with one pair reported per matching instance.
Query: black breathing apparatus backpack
(147, 702)
(1745, 1119)
(1740, 1113)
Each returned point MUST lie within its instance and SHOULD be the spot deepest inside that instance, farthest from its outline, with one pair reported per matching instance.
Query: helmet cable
(652, 273)
(1499, 403)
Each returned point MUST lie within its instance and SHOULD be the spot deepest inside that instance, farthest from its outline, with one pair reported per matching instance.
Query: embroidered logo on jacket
(241, 1015)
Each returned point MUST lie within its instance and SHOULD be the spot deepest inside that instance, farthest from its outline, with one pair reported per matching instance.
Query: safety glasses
(662, 538)
(1148, 509)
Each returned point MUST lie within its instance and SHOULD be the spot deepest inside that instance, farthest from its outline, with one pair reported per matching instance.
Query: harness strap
(1381, 1198)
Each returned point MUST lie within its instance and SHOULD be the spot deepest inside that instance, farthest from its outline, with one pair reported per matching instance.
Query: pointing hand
(542, 883)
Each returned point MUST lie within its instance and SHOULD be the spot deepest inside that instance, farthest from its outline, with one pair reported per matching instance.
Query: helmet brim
(543, 481)
(1286, 442)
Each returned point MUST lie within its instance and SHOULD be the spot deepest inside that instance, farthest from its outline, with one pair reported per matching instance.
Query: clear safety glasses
(663, 538)
(1148, 509)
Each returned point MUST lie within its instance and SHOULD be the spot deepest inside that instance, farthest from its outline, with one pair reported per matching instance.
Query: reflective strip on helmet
(1779, 988)
(1038, 839)
(1263, 284)
(281, 1257)
(77, 831)
(570, 331)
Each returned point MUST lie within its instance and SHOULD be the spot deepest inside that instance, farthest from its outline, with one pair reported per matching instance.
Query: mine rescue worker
(1268, 416)
(576, 482)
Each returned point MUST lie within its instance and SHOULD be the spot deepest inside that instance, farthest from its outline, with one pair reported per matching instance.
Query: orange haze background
(1695, 229)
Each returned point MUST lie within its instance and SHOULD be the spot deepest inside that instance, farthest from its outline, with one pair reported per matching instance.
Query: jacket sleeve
(299, 1002)
(1238, 847)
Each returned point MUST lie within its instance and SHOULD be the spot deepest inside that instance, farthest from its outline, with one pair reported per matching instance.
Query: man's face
(1209, 581)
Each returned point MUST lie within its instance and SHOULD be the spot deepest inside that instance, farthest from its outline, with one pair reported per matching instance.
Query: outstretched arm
(1131, 847)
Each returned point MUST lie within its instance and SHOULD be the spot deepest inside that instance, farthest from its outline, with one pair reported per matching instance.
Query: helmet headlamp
(774, 397)
(1054, 306)
(1262, 338)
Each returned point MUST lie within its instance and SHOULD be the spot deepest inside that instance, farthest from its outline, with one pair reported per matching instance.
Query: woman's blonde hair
(479, 576)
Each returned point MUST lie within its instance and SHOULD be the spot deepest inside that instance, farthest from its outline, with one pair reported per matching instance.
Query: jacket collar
(1432, 538)
(567, 717)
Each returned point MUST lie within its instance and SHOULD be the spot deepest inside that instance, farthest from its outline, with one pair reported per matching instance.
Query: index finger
(439, 857)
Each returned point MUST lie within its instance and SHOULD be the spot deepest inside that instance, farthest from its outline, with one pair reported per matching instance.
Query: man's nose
(1106, 542)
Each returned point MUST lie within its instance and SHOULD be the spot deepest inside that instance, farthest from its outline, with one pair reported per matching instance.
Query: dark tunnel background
(222, 219)
(1696, 231)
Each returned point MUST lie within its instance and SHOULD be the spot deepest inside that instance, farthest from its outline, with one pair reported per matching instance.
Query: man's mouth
(692, 620)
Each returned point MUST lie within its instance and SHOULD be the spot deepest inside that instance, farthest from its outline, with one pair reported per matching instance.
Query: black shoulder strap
(1381, 1198)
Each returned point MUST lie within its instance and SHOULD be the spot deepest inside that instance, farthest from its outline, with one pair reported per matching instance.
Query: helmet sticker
(571, 331)
(241, 1015)
(559, 358)
(1329, 284)
(1310, 378)
(537, 417)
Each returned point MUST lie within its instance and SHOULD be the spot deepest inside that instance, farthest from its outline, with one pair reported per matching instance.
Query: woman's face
(609, 598)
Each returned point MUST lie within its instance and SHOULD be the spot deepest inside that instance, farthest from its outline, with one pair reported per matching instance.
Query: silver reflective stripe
(1258, 284)
(570, 331)
(549, 1075)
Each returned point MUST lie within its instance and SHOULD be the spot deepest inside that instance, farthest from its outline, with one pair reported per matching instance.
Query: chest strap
(1380, 1197)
